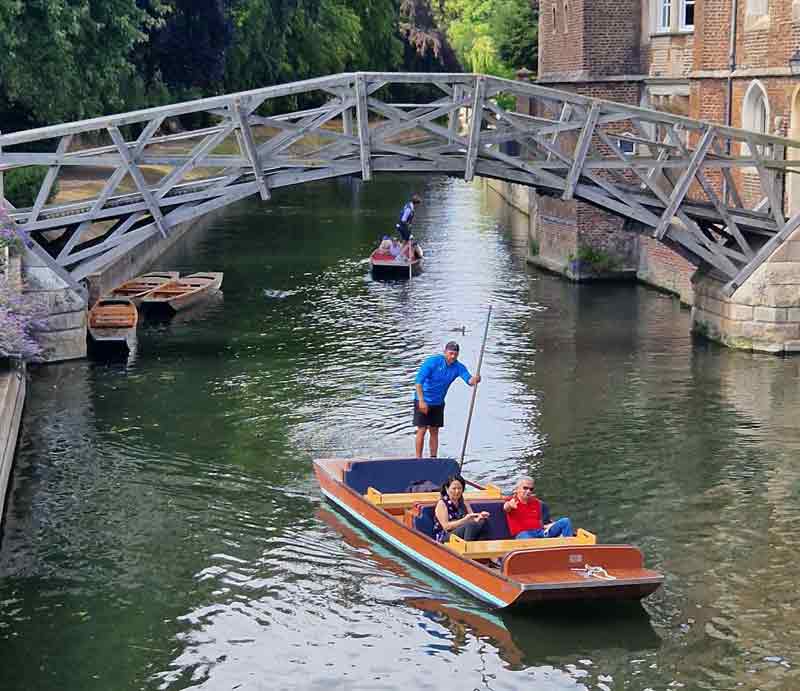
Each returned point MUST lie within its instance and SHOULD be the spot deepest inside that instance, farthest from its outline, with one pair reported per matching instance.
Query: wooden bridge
(715, 193)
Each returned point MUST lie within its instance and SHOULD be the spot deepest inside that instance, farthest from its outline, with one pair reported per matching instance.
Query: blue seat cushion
(498, 525)
(396, 474)
(423, 521)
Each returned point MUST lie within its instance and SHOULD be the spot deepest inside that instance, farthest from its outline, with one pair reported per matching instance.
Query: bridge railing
(714, 192)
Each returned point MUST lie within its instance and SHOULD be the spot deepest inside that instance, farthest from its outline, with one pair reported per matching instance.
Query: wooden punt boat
(112, 323)
(186, 291)
(372, 492)
(138, 287)
(388, 266)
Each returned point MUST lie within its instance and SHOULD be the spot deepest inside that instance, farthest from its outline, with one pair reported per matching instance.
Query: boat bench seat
(498, 525)
(396, 475)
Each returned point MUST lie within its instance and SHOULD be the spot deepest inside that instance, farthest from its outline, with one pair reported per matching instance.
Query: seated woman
(385, 246)
(395, 249)
(454, 515)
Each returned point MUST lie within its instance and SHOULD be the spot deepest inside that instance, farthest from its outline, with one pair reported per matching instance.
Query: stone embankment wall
(763, 314)
(554, 238)
(62, 333)
(12, 393)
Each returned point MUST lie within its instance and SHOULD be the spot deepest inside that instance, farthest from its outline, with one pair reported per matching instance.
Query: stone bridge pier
(763, 314)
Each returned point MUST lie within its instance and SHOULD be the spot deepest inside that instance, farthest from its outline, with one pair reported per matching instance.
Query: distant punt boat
(182, 293)
(112, 323)
(499, 570)
(138, 287)
(388, 266)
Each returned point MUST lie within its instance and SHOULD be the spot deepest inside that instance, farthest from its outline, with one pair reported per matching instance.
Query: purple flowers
(18, 319)
(10, 235)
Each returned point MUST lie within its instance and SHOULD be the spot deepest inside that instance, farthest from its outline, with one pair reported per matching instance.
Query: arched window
(555, 20)
(755, 112)
(755, 109)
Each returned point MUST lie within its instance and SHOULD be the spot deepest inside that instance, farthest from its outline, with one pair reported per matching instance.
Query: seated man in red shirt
(528, 516)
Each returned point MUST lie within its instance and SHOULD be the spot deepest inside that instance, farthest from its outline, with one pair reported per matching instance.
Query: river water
(164, 529)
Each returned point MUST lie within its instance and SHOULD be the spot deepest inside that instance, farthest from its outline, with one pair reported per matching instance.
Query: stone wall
(63, 332)
(763, 314)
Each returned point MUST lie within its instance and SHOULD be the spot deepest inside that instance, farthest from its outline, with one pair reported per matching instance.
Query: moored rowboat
(184, 292)
(137, 288)
(372, 492)
(112, 323)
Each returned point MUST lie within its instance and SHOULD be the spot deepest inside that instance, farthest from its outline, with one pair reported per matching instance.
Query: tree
(515, 27)
(188, 50)
(64, 60)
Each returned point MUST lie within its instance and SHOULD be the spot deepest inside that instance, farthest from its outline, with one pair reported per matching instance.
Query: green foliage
(491, 36)
(21, 185)
(598, 260)
(68, 60)
(534, 247)
(515, 25)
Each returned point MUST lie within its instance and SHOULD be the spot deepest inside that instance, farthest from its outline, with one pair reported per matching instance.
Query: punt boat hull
(112, 325)
(185, 292)
(543, 574)
(138, 288)
(384, 266)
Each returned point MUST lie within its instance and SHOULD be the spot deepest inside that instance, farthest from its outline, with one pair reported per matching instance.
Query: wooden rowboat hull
(138, 288)
(528, 576)
(112, 324)
(183, 293)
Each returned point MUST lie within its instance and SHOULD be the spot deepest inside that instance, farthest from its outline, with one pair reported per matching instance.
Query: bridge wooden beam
(362, 113)
(49, 178)
(247, 145)
(762, 255)
(452, 118)
(767, 183)
(682, 186)
(581, 149)
(478, 93)
(119, 173)
(138, 179)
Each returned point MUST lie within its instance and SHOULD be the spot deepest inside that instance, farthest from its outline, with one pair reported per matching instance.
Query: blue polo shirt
(436, 375)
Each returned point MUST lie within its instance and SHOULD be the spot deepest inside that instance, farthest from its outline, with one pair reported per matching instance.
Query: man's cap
(452, 345)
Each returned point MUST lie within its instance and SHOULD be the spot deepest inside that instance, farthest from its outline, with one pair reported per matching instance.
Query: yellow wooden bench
(490, 549)
(404, 500)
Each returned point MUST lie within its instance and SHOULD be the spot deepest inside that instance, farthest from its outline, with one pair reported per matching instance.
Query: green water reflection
(164, 529)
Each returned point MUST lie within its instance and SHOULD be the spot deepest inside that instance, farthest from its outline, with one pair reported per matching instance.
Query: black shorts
(404, 230)
(433, 418)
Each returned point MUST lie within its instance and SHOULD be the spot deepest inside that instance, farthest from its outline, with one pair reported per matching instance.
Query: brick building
(727, 61)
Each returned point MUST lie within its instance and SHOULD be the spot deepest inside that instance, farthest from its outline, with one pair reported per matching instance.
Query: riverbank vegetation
(64, 61)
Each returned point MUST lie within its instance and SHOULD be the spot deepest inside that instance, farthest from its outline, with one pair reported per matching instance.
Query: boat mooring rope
(590, 571)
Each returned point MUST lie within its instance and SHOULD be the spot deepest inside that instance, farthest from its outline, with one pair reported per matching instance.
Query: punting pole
(474, 390)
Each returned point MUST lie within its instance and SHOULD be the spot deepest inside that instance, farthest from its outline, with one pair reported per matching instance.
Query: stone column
(63, 331)
(763, 314)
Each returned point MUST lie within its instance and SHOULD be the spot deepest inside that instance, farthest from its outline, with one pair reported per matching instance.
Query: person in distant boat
(453, 515)
(430, 387)
(406, 216)
(386, 245)
(529, 517)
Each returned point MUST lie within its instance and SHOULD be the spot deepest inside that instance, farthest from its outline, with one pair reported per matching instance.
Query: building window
(755, 114)
(687, 14)
(555, 20)
(566, 16)
(626, 146)
(663, 15)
